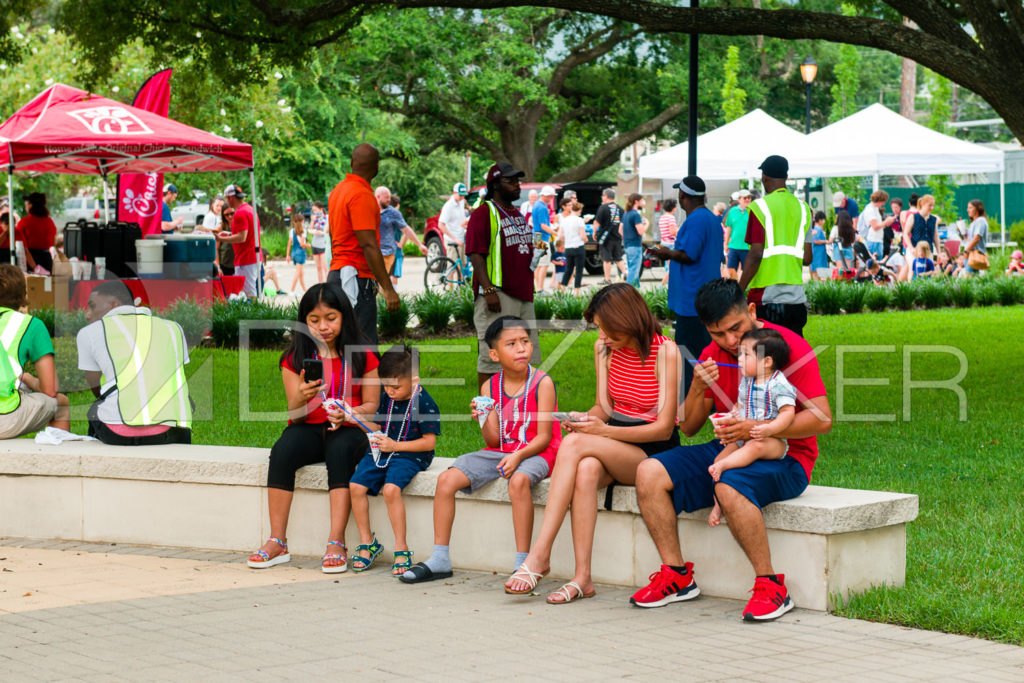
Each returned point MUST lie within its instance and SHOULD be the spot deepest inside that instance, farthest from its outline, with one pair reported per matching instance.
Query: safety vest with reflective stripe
(494, 257)
(148, 355)
(12, 331)
(785, 219)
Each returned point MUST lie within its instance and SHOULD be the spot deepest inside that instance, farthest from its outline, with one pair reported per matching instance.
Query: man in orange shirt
(357, 264)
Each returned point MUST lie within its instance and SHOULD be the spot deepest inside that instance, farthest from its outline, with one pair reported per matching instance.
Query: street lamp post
(808, 70)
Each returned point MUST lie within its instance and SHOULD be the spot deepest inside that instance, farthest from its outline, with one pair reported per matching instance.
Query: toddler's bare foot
(715, 471)
(715, 518)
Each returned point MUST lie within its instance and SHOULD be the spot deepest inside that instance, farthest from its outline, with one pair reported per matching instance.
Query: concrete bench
(829, 541)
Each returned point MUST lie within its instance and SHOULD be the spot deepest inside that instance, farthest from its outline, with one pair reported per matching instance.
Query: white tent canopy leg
(1002, 208)
(106, 202)
(259, 236)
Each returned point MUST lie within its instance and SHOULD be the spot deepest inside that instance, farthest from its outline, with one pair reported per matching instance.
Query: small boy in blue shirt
(819, 252)
(410, 422)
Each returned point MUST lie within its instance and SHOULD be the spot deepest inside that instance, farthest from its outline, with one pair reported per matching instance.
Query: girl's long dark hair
(303, 346)
(844, 226)
(624, 313)
(37, 205)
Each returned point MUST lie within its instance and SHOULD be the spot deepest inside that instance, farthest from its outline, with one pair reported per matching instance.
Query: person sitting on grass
(27, 403)
(944, 264)
(1016, 266)
(134, 363)
(410, 425)
(765, 396)
(923, 266)
(329, 342)
(520, 437)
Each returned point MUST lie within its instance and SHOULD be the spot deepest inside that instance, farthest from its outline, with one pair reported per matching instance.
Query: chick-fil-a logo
(144, 203)
(111, 121)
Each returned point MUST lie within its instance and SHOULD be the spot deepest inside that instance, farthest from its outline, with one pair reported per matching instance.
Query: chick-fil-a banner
(140, 195)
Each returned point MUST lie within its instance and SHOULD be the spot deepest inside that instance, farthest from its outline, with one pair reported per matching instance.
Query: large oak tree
(978, 44)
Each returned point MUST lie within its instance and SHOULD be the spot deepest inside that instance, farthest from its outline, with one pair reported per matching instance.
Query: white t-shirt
(871, 213)
(571, 226)
(211, 222)
(93, 356)
(453, 215)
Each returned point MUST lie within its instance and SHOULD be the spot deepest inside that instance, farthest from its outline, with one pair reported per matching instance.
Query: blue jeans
(875, 248)
(634, 257)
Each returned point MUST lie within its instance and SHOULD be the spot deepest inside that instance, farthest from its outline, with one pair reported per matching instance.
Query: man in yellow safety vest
(779, 235)
(134, 364)
(28, 403)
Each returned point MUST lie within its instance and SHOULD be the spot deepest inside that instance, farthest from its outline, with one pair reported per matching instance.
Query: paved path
(106, 613)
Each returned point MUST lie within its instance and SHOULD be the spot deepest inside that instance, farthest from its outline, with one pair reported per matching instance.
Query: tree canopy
(978, 44)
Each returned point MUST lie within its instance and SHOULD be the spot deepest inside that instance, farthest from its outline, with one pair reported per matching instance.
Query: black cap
(775, 166)
(503, 169)
(691, 185)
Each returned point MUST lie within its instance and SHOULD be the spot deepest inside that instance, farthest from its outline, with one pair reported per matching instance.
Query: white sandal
(530, 578)
(565, 593)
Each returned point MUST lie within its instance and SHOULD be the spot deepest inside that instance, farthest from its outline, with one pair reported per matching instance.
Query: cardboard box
(46, 291)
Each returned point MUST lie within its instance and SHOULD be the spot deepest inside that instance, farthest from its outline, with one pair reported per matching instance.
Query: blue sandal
(360, 563)
(402, 562)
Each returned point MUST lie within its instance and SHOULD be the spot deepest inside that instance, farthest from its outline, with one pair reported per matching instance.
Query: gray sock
(520, 558)
(440, 561)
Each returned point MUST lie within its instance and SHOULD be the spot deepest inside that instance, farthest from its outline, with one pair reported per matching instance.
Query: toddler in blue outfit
(409, 426)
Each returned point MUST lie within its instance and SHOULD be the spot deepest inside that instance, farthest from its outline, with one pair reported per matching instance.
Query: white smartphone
(562, 417)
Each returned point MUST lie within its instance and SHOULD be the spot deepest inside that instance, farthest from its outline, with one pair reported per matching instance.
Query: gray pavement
(370, 627)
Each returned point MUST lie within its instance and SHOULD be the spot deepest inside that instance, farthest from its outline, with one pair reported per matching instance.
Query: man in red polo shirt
(244, 240)
(668, 483)
(356, 262)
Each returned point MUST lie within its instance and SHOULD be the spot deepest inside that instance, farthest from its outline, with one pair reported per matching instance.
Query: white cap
(547, 191)
(837, 199)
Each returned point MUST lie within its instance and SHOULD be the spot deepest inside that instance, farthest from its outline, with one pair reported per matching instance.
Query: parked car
(83, 210)
(192, 211)
(589, 194)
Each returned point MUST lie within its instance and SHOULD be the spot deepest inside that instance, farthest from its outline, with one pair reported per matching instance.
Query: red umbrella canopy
(67, 130)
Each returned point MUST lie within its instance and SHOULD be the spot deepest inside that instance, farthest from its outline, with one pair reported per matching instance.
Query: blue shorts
(762, 482)
(736, 258)
(399, 472)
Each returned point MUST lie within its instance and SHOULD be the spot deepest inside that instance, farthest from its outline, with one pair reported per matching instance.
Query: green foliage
(877, 298)
(1009, 290)
(847, 71)
(1017, 233)
(411, 249)
(433, 309)
(962, 292)
(657, 301)
(543, 307)
(985, 293)
(853, 296)
(826, 297)
(734, 98)
(275, 242)
(462, 304)
(391, 325)
(193, 317)
(942, 186)
(226, 318)
(904, 295)
(568, 307)
(931, 293)
(61, 323)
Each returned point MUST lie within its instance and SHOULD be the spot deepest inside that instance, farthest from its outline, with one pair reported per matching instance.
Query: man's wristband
(489, 290)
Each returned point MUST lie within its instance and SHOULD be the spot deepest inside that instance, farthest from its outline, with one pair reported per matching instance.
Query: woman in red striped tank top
(634, 415)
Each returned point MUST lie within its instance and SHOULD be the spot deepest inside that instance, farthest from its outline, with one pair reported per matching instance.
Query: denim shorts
(399, 472)
(762, 482)
(736, 258)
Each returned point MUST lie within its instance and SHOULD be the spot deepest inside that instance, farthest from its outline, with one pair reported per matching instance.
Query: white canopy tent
(877, 141)
(731, 152)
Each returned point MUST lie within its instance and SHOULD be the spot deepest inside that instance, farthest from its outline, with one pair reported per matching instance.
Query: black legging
(43, 258)
(304, 444)
(574, 260)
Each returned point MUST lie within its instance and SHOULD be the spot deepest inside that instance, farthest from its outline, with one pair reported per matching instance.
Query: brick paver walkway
(105, 613)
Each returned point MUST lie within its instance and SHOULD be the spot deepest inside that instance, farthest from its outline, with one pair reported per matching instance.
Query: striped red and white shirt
(632, 385)
(667, 227)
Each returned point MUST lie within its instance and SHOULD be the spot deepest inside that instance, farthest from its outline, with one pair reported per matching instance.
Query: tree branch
(935, 19)
(607, 152)
(559, 127)
(581, 55)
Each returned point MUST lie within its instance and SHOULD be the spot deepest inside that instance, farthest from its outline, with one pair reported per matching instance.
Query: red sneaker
(770, 600)
(667, 585)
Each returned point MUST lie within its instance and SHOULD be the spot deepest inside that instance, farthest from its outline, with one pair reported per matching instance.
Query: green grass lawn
(964, 568)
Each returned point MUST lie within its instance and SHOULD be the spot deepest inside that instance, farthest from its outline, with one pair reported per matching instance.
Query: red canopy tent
(67, 130)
